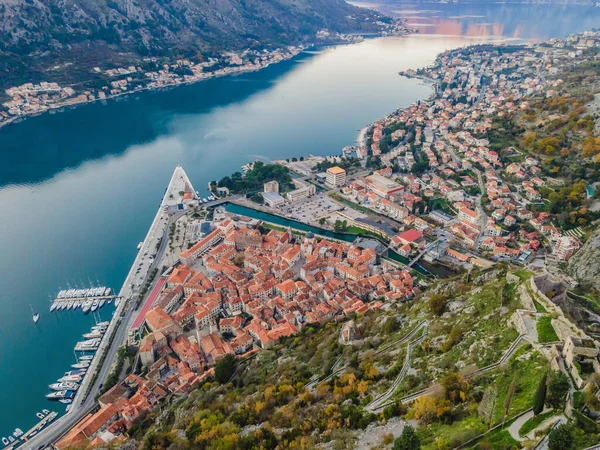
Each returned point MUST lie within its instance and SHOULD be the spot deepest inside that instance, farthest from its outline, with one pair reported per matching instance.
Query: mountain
(40, 37)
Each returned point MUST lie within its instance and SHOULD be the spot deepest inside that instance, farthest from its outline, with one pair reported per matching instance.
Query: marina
(18, 437)
(88, 300)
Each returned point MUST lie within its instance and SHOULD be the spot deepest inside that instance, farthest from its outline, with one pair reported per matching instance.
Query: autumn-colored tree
(425, 409)
(455, 387)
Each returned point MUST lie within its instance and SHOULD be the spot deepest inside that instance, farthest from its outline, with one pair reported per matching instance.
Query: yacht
(70, 379)
(39, 415)
(107, 292)
(86, 306)
(53, 306)
(103, 324)
(59, 394)
(117, 301)
(93, 335)
(66, 401)
(81, 365)
(70, 304)
(45, 411)
(101, 303)
(94, 306)
(65, 386)
(18, 432)
(86, 358)
(36, 316)
(5, 441)
(140, 245)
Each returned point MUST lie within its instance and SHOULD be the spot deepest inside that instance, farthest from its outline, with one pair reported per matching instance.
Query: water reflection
(493, 20)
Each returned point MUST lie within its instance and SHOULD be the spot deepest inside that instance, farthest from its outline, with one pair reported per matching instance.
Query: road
(159, 229)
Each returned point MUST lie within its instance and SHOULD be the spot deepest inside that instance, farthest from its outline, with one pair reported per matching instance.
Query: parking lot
(313, 208)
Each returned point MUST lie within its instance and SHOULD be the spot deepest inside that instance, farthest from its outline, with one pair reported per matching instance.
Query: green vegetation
(535, 422)
(408, 440)
(558, 388)
(252, 182)
(540, 396)
(561, 438)
(545, 330)
(225, 368)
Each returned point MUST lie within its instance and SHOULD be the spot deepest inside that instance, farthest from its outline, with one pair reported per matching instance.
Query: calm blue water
(79, 189)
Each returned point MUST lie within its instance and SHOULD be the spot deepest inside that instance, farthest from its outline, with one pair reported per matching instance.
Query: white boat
(58, 395)
(39, 415)
(11, 439)
(117, 301)
(5, 441)
(45, 411)
(66, 401)
(53, 306)
(36, 316)
(70, 304)
(103, 324)
(81, 365)
(94, 306)
(93, 335)
(107, 291)
(18, 432)
(86, 306)
(70, 379)
(204, 200)
(66, 386)
(140, 245)
(101, 303)
(86, 358)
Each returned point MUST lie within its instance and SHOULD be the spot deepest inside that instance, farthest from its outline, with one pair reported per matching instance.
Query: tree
(391, 325)
(425, 408)
(455, 387)
(558, 387)
(408, 440)
(322, 221)
(561, 438)
(540, 396)
(437, 304)
(225, 368)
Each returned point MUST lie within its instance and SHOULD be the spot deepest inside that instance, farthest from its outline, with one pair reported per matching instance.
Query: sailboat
(36, 316)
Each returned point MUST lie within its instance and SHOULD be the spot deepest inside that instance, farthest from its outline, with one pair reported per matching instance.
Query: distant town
(32, 99)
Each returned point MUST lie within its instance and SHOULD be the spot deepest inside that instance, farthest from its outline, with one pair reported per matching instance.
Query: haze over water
(79, 189)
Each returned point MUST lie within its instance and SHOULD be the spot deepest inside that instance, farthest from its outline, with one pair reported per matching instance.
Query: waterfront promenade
(117, 330)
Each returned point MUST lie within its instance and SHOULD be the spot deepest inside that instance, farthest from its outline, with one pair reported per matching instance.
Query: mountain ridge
(39, 38)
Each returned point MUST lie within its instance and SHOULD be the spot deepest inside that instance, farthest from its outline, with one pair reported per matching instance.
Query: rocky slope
(41, 36)
(585, 264)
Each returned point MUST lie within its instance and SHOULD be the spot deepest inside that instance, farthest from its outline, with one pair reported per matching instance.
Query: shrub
(558, 387)
(408, 440)
(561, 438)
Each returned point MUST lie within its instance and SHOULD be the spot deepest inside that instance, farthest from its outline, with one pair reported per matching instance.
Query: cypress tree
(540, 396)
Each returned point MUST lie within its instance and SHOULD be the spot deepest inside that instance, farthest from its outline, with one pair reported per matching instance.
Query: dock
(39, 426)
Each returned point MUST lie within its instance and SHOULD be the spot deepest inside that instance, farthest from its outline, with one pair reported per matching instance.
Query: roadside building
(336, 176)
(273, 199)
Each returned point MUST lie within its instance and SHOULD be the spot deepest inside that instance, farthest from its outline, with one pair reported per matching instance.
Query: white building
(336, 176)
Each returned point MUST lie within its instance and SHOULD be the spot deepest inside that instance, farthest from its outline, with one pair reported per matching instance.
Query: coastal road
(79, 408)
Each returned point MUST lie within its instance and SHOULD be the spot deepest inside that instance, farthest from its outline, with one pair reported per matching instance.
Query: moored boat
(64, 386)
